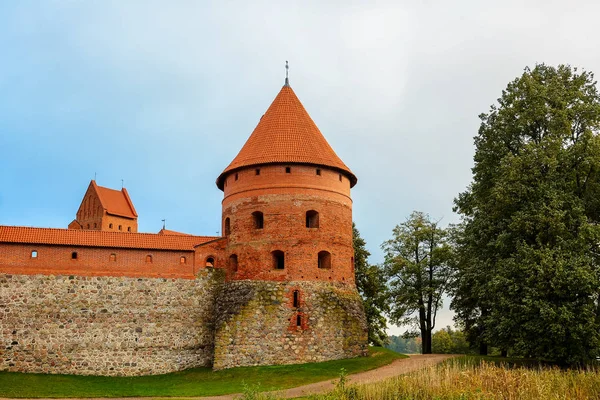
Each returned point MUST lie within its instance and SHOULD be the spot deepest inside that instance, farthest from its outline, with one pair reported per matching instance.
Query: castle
(276, 288)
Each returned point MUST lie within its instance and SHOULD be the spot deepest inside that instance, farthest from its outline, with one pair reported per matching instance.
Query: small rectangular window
(288, 170)
(74, 255)
(257, 171)
(33, 254)
(318, 172)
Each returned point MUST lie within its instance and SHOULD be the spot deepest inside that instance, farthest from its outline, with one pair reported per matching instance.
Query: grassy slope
(192, 382)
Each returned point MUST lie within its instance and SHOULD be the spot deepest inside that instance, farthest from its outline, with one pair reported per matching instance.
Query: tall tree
(528, 266)
(417, 267)
(371, 286)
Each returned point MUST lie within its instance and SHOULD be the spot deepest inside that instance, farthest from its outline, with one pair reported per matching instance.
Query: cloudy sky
(163, 94)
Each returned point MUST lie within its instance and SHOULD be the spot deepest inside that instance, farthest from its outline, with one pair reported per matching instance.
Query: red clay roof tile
(93, 238)
(115, 202)
(286, 134)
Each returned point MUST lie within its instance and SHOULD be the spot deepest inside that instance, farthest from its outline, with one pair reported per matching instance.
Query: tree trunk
(425, 341)
(483, 349)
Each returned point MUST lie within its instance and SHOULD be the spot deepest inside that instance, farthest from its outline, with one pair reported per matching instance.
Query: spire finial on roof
(164, 221)
(287, 80)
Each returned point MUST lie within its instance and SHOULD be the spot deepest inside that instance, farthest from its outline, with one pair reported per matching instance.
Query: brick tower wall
(257, 320)
(284, 199)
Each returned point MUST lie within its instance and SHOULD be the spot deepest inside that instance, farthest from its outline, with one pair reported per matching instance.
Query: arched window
(113, 257)
(110, 226)
(182, 260)
(233, 262)
(74, 255)
(210, 262)
(227, 228)
(324, 259)
(259, 220)
(33, 253)
(312, 219)
(296, 302)
(278, 259)
(148, 258)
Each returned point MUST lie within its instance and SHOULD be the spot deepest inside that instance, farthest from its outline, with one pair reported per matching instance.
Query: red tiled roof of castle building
(115, 202)
(286, 134)
(94, 238)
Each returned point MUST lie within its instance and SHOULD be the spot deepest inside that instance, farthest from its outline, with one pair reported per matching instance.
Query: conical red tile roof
(286, 134)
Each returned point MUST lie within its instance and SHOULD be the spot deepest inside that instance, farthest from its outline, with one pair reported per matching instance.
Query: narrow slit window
(236, 176)
(340, 176)
(324, 260)
(318, 172)
(110, 226)
(278, 259)
(95, 225)
(74, 255)
(210, 262)
(34, 254)
(227, 226)
(148, 258)
(312, 219)
(296, 299)
(128, 229)
(288, 170)
(88, 226)
(298, 320)
(257, 171)
(259, 219)
(120, 227)
(233, 262)
(182, 260)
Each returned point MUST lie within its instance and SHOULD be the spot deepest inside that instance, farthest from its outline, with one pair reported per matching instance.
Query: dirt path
(398, 367)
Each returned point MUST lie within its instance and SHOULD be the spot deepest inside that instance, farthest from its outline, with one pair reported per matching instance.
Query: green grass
(192, 382)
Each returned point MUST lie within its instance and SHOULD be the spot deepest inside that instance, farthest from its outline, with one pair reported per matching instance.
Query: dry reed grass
(456, 379)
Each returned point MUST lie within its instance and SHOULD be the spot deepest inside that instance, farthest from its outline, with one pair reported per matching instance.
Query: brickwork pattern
(95, 261)
(257, 323)
(284, 208)
(106, 325)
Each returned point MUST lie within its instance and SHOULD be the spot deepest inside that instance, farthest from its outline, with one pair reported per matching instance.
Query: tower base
(270, 323)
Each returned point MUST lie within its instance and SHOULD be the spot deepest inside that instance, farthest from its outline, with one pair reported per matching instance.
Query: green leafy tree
(404, 344)
(370, 283)
(527, 263)
(449, 341)
(418, 272)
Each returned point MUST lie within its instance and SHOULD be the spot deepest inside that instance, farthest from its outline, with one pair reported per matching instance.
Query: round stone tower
(290, 295)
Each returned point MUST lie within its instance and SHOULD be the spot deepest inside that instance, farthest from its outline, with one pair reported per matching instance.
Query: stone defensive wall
(100, 325)
(265, 323)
